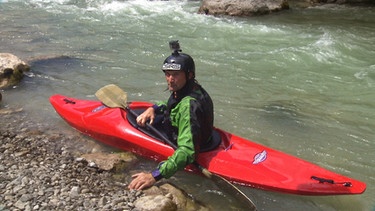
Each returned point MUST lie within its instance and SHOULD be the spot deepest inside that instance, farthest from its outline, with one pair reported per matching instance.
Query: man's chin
(172, 89)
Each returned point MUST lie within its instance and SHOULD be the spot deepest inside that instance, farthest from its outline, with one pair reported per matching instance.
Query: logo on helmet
(167, 66)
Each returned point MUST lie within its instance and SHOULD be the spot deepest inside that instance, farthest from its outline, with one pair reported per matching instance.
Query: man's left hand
(141, 181)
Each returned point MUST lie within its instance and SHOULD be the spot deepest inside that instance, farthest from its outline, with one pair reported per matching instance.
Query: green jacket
(189, 115)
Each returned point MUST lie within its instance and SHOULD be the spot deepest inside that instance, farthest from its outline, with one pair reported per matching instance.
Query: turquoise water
(301, 81)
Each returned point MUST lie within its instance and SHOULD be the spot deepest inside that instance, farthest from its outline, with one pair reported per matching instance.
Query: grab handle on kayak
(330, 181)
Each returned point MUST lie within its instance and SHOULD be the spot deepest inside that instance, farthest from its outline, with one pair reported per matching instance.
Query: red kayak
(237, 159)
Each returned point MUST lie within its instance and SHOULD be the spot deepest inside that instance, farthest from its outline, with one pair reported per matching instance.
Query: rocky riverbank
(38, 172)
(44, 171)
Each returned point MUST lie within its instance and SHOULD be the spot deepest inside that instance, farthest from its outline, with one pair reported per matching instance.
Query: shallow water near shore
(301, 81)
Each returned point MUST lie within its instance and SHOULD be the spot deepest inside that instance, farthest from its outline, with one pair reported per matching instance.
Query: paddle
(114, 97)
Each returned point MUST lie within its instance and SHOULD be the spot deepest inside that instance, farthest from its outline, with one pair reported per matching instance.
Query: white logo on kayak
(260, 157)
(98, 108)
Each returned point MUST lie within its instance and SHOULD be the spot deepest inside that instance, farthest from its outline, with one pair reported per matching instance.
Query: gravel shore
(38, 171)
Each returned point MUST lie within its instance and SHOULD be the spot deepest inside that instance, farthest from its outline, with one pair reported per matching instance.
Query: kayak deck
(239, 160)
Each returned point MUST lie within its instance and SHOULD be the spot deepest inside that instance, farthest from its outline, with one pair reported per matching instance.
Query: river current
(301, 81)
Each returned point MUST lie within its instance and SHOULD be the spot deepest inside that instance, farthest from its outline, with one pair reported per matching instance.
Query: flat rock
(108, 161)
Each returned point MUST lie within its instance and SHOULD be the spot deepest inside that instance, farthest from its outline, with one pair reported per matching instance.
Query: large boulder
(11, 70)
(168, 197)
(155, 203)
(242, 7)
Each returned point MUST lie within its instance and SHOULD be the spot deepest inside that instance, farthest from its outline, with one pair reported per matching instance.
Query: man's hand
(149, 114)
(141, 181)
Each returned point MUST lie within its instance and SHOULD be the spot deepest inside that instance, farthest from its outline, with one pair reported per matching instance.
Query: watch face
(156, 174)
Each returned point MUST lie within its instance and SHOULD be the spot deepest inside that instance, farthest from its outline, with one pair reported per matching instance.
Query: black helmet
(178, 61)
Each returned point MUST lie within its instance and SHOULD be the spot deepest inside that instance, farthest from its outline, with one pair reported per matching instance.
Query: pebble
(38, 172)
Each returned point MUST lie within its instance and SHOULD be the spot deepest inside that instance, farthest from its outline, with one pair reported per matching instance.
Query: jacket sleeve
(185, 153)
(160, 107)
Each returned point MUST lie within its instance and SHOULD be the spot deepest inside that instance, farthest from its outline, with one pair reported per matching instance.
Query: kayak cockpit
(211, 145)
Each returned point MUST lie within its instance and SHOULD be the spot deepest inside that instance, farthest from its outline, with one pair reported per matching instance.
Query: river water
(301, 81)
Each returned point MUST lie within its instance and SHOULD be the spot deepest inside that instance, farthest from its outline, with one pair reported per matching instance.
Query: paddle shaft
(157, 132)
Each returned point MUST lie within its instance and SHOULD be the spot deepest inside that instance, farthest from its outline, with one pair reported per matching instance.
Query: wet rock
(180, 199)
(242, 7)
(12, 69)
(154, 190)
(10, 110)
(109, 161)
(155, 203)
(47, 60)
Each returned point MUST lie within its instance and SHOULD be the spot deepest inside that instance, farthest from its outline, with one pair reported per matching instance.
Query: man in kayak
(188, 118)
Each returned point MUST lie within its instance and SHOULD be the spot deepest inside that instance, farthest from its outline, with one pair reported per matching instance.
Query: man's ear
(191, 75)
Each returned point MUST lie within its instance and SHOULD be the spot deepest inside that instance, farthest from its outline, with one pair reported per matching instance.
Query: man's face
(175, 79)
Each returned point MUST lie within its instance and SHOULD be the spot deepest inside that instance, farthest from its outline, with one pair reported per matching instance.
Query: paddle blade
(112, 96)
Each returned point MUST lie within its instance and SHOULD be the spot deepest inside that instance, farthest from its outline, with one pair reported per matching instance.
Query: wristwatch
(156, 174)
